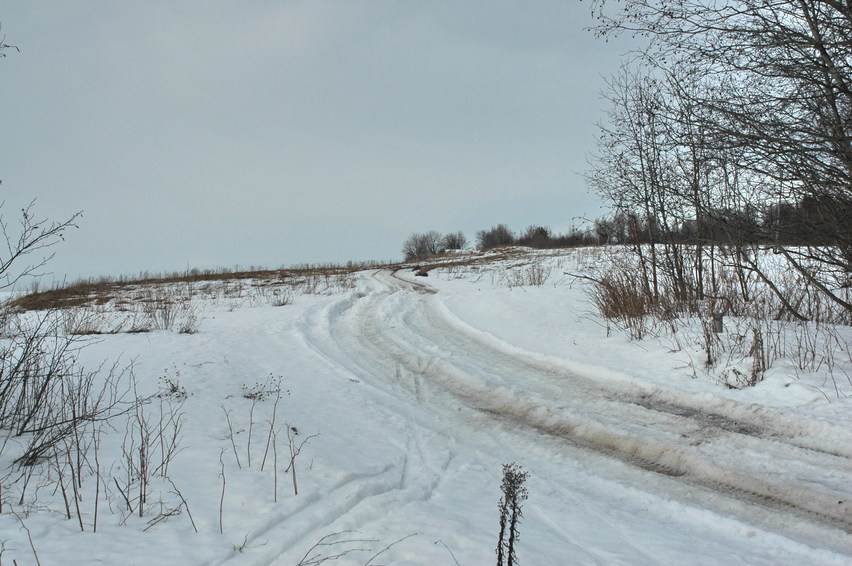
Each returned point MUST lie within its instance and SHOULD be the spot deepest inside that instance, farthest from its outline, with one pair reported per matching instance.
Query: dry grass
(740, 324)
(450, 260)
(104, 290)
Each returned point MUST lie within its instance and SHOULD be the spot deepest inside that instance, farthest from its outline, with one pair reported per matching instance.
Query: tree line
(733, 124)
(427, 244)
(800, 224)
(791, 224)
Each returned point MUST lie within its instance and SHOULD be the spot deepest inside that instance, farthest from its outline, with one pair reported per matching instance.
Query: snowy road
(409, 395)
(761, 466)
(419, 391)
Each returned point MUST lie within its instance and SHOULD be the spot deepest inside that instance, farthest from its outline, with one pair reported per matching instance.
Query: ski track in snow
(396, 337)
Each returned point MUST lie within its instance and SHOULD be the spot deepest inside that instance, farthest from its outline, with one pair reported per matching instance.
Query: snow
(418, 390)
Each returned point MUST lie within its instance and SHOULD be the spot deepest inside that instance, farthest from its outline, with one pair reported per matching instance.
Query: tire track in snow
(726, 415)
(393, 327)
(272, 542)
(358, 498)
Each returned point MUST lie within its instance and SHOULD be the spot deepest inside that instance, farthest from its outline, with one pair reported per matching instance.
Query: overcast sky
(209, 133)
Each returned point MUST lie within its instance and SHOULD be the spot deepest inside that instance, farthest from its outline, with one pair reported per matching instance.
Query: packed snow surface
(406, 395)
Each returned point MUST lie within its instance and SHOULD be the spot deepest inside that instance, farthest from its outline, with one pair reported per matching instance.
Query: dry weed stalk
(296, 446)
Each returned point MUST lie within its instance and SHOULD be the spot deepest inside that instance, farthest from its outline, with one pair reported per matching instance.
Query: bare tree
(421, 246)
(499, 235)
(455, 241)
(27, 247)
(770, 105)
(536, 237)
(3, 45)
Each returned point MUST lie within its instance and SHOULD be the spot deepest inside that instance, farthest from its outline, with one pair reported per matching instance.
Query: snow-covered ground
(418, 390)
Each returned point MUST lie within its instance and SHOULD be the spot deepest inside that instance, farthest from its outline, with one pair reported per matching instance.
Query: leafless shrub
(151, 441)
(189, 324)
(533, 274)
(311, 284)
(295, 444)
(85, 322)
(270, 388)
(345, 281)
(282, 296)
(537, 273)
(33, 237)
(61, 413)
(166, 309)
(160, 306)
(45, 398)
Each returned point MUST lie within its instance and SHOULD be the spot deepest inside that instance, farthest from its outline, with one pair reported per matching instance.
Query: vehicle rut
(402, 329)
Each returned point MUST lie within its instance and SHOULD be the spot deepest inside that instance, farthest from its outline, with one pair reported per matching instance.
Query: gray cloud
(215, 133)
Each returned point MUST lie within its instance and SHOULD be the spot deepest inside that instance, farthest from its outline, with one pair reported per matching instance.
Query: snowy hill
(390, 403)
